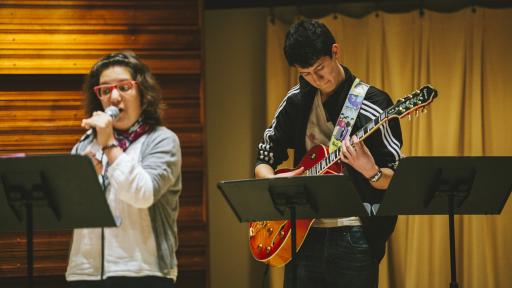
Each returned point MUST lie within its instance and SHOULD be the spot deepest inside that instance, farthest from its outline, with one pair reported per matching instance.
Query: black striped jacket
(288, 131)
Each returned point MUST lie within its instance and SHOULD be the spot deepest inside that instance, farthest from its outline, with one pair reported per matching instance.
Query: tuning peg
(424, 110)
(409, 117)
(416, 113)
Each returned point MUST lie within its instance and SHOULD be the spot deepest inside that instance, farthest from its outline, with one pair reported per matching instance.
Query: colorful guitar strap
(348, 113)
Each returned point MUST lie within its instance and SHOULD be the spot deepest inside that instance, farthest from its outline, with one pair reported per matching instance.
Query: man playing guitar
(341, 252)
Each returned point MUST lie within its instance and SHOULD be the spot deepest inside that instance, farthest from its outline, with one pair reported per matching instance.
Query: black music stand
(448, 186)
(291, 198)
(55, 192)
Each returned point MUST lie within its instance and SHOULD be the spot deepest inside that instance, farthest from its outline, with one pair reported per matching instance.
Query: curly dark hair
(307, 41)
(149, 89)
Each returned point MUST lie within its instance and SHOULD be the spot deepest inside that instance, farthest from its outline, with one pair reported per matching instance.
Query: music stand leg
(294, 246)
(29, 234)
(451, 222)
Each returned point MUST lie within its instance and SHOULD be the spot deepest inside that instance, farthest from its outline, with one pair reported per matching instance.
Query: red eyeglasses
(104, 91)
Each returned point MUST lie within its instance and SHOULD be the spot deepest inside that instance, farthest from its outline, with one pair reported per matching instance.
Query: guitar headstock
(412, 102)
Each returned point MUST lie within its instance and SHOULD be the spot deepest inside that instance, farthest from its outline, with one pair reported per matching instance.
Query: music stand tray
(291, 198)
(51, 192)
(448, 186)
(329, 196)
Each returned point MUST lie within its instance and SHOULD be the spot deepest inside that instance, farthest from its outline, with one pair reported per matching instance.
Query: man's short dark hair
(307, 41)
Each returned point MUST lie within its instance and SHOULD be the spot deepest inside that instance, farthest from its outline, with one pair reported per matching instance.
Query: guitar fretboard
(361, 134)
(418, 99)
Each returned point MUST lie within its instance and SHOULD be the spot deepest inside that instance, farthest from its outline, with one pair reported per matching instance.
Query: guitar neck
(371, 127)
(412, 102)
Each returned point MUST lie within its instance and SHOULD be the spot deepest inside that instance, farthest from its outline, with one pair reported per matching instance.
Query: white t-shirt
(319, 131)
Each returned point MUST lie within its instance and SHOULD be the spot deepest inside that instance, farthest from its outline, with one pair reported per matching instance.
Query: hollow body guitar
(270, 241)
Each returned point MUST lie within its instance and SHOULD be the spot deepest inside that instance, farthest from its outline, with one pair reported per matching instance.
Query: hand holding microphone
(103, 123)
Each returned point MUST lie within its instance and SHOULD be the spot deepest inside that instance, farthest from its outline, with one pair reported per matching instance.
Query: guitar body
(270, 241)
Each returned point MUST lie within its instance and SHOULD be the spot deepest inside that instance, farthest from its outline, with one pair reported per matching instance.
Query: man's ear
(335, 50)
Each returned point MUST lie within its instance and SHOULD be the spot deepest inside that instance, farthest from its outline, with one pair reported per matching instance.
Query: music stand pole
(451, 222)
(30, 239)
(293, 218)
(292, 198)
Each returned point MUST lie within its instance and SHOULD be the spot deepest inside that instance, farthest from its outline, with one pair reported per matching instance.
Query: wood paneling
(46, 48)
(66, 37)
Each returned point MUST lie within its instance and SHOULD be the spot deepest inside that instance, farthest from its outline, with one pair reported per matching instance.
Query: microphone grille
(113, 112)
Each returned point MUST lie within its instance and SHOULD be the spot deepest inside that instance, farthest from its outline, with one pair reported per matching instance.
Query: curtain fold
(466, 56)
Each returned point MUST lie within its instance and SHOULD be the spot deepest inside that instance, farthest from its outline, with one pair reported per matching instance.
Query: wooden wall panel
(46, 49)
(66, 37)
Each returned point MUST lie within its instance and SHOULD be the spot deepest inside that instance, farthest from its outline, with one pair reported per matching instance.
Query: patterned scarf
(125, 138)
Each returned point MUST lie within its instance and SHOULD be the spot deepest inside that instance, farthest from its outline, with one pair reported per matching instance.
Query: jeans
(336, 257)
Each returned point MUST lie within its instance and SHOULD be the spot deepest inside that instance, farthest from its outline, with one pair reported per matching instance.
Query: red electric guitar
(270, 241)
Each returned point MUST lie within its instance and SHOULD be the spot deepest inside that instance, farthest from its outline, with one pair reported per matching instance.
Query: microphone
(113, 112)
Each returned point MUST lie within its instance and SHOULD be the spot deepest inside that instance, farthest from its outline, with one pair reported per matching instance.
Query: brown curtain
(466, 55)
